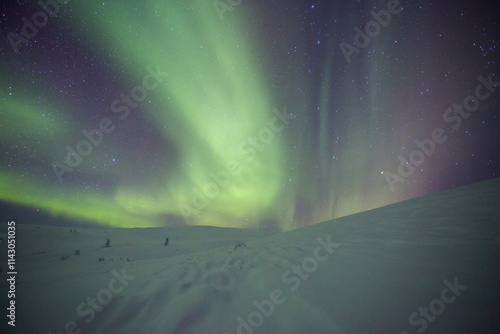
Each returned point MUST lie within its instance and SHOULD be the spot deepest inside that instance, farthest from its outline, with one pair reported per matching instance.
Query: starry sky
(242, 113)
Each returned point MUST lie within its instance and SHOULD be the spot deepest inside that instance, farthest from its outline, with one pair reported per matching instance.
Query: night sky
(267, 114)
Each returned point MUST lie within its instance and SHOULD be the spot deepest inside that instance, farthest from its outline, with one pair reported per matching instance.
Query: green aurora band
(213, 100)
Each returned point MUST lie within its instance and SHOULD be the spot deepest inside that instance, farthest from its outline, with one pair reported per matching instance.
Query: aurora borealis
(177, 112)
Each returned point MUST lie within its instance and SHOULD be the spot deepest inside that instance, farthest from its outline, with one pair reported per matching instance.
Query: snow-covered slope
(426, 265)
